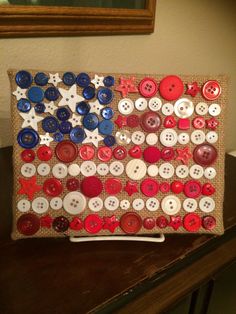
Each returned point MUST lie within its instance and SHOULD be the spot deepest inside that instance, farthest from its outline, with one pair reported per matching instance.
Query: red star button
(121, 121)
(46, 221)
(76, 224)
(131, 187)
(29, 187)
(184, 155)
(175, 222)
(212, 123)
(192, 89)
(111, 223)
(127, 86)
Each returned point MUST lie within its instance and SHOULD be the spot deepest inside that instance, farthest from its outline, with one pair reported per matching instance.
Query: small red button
(28, 224)
(44, 153)
(72, 184)
(149, 223)
(104, 153)
(91, 186)
(212, 123)
(86, 152)
(149, 187)
(66, 151)
(192, 188)
(198, 122)
(76, 224)
(177, 187)
(184, 124)
(167, 153)
(171, 87)
(164, 187)
(120, 152)
(151, 154)
(208, 222)
(205, 154)
(148, 87)
(150, 121)
(28, 155)
(211, 90)
(52, 187)
(162, 222)
(192, 222)
(60, 224)
(113, 186)
(135, 151)
(132, 121)
(130, 222)
(169, 122)
(208, 189)
(93, 223)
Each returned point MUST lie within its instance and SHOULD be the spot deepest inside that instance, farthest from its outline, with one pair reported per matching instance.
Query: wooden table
(56, 276)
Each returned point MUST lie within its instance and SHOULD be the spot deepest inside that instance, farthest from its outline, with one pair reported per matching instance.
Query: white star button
(98, 81)
(45, 139)
(19, 93)
(54, 79)
(92, 137)
(95, 107)
(75, 120)
(30, 119)
(50, 107)
(70, 97)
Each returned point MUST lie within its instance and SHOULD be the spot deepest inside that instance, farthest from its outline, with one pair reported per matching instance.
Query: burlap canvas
(217, 182)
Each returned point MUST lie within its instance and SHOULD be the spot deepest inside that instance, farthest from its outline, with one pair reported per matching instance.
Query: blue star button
(82, 108)
(27, 138)
(69, 78)
(50, 124)
(107, 113)
(106, 127)
(23, 105)
(23, 79)
(105, 96)
(77, 135)
(90, 121)
(41, 79)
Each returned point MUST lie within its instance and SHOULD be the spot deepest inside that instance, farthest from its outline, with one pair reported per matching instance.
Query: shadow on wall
(5, 131)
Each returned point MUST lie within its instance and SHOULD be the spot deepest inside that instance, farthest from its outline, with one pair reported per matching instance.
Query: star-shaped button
(98, 81)
(131, 187)
(75, 120)
(111, 223)
(30, 119)
(95, 107)
(175, 222)
(46, 221)
(76, 224)
(92, 137)
(50, 107)
(19, 93)
(127, 86)
(70, 97)
(192, 89)
(184, 155)
(54, 79)
(29, 187)
(45, 139)
(121, 121)
(212, 123)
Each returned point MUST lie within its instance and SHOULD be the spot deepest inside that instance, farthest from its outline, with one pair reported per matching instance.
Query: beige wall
(196, 36)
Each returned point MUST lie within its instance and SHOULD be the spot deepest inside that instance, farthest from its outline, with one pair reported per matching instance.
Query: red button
(132, 121)
(151, 154)
(211, 90)
(212, 123)
(66, 151)
(167, 153)
(135, 151)
(192, 222)
(91, 186)
(120, 152)
(60, 224)
(162, 222)
(113, 186)
(28, 155)
(44, 153)
(164, 187)
(76, 224)
(130, 222)
(192, 189)
(86, 152)
(104, 153)
(171, 87)
(208, 189)
(148, 87)
(52, 187)
(150, 121)
(205, 154)
(177, 187)
(28, 224)
(72, 184)
(169, 122)
(149, 187)
(208, 222)
(149, 223)
(184, 124)
(198, 122)
(93, 223)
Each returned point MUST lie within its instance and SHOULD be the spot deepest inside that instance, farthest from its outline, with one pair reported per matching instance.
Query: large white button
(141, 104)
(152, 170)
(28, 170)
(59, 171)
(43, 169)
(214, 110)
(116, 168)
(212, 137)
(168, 137)
(125, 106)
(198, 137)
(138, 204)
(102, 169)
(183, 108)
(74, 170)
(95, 204)
(190, 205)
(151, 139)
(210, 173)
(207, 204)
(155, 104)
(111, 203)
(124, 204)
(183, 138)
(196, 171)
(138, 137)
(23, 205)
(40, 205)
(201, 108)
(88, 168)
(166, 170)
(136, 169)
(74, 203)
(181, 171)
(56, 203)
(167, 109)
(170, 205)
(123, 137)
(152, 204)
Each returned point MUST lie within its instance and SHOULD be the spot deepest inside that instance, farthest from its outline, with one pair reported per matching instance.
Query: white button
(123, 137)
(102, 169)
(88, 168)
(23, 205)
(125, 106)
(56, 203)
(116, 168)
(183, 108)
(170, 205)
(28, 170)
(181, 171)
(183, 138)
(141, 104)
(189, 205)
(214, 110)
(196, 171)
(125, 204)
(201, 108)
(59, 171)
(151, 139)
(168, 137)
(166, 170)
(136, 169)
(152, 170)
(74, 170)
(155, 104)
(138, 204)
(111, 203)
(207, 204)
(152, 204)
(40, 205)
(95, 204)
(212, 137)
(138, 137)
(198, 137)
(43, 169)
(210, 173)
(167, 109)
(74, 203)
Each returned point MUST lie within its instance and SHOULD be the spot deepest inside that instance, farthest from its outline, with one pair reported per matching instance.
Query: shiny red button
(28, 224)
(208, 189)
(132, 121)
(208, 222)
(149, 223)
(52, 187)
(130, 222)
(149, 187)
(192, 222)
(119, 152)
(91, 186)
(151, 154)
(66, 151)
(169, 122)
(212, 123)
(104, 153)
(76, 224)
(162, 222)
(211, 90)
(205, 154)
(113, 186)
(192, 188)
(177, 187)
(44, 153)
(150, 121)
(171, 87)
(60, 224)
(184, 124)
(164, 187)
(28, 155)
(86, 152)
(135, 151)
(167, 153)
(72, 184)
(199, 122)
(93, 223)
(148, 87)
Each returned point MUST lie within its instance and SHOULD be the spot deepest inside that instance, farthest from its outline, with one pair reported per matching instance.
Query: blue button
(109, 81)
(68, 78)
(50, 124)
(63, 114)
(41, 79)
(82, 108)
(83, 80)
(107, 113)
(106, 127)
(28, 138)
(35, 94)
(58, 137)
(109, 140)
(88, 92)
(90, 121)
(23, 105)
(65, 127)
(39, 107)
(23, 79)
(77, 135)
(51, 93)
(105, 96)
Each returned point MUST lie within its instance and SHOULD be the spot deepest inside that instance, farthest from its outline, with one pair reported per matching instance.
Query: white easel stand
(156, 239)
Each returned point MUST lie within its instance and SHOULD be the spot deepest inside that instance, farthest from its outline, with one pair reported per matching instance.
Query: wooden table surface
(56, 276)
